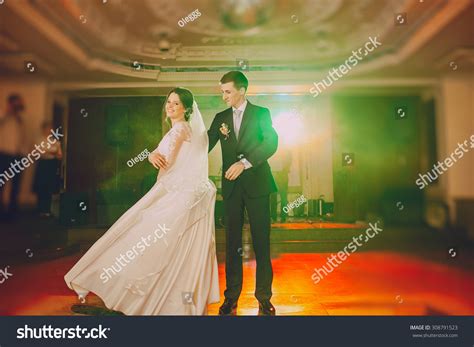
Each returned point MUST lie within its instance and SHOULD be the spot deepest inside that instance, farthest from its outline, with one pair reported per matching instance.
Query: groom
(247, 140)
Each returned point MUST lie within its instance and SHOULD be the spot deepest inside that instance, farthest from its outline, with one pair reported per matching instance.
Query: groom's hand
(158, 160)
(234, 171)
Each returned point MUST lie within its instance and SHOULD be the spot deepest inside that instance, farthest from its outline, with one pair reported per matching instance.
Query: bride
(159, 258)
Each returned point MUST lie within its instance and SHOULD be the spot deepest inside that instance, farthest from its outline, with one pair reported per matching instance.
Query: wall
(455, 102)
(386, 157)
(457, 113)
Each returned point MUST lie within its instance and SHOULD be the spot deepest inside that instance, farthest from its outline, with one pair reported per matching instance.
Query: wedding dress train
(159, 258)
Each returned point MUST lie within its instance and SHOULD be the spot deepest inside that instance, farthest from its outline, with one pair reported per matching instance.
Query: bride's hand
(158, 160)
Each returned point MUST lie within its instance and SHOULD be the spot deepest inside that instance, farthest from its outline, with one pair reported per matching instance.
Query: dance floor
(404, 272)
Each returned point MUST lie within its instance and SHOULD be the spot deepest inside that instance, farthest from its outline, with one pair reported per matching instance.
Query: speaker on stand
(346, 191)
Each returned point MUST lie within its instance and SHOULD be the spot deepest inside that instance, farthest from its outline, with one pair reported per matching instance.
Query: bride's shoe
(81, 295)
(82, 298)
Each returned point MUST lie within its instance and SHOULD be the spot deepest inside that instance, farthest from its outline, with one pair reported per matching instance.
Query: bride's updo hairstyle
(186, 98)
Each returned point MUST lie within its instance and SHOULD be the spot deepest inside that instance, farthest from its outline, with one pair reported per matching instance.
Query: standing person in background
(12, 140)
(47, 175)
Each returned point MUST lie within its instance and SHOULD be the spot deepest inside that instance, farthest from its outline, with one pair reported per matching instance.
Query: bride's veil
(198, 160)
(190, 171)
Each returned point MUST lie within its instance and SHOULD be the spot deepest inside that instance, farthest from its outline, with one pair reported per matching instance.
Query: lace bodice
(177, 137)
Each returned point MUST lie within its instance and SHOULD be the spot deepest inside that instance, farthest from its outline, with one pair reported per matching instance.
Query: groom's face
(232, 96)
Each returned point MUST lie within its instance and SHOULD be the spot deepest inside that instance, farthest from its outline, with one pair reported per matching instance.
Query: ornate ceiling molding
(211, 53)
(460, 57)
(433, 26)
(260, 82)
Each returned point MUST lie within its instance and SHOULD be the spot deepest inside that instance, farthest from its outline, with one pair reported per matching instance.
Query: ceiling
(77, 44)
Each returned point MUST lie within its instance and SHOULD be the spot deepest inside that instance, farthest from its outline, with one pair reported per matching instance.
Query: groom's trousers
(258, 211)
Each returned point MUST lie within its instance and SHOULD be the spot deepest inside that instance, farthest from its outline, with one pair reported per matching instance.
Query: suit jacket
(257, 142)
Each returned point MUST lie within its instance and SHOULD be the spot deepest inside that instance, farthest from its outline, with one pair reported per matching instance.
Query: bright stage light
(290, 128)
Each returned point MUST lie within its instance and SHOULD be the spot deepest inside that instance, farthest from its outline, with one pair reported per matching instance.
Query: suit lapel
(229, 120)
(245, 119)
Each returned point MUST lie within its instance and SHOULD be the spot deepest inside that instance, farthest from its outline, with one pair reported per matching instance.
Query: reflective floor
(404, 272)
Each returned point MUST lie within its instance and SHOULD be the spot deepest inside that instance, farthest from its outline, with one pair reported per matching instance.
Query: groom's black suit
(257, 142)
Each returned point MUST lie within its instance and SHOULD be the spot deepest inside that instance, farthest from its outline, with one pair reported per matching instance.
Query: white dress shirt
(237, 124)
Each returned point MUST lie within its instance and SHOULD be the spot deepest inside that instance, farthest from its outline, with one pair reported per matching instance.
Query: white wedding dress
(159, 258)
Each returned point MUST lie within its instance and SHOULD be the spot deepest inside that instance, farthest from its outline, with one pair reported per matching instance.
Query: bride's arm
(157, 159)
(180, 134)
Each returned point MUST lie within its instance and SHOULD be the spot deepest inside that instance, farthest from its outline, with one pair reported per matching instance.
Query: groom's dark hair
(239, 79)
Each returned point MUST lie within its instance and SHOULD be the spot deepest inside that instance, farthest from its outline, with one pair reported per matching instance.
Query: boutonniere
(225, 130)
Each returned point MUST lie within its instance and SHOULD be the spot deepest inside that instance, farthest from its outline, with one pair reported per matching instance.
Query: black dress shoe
(265, 308)
(228, 308)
